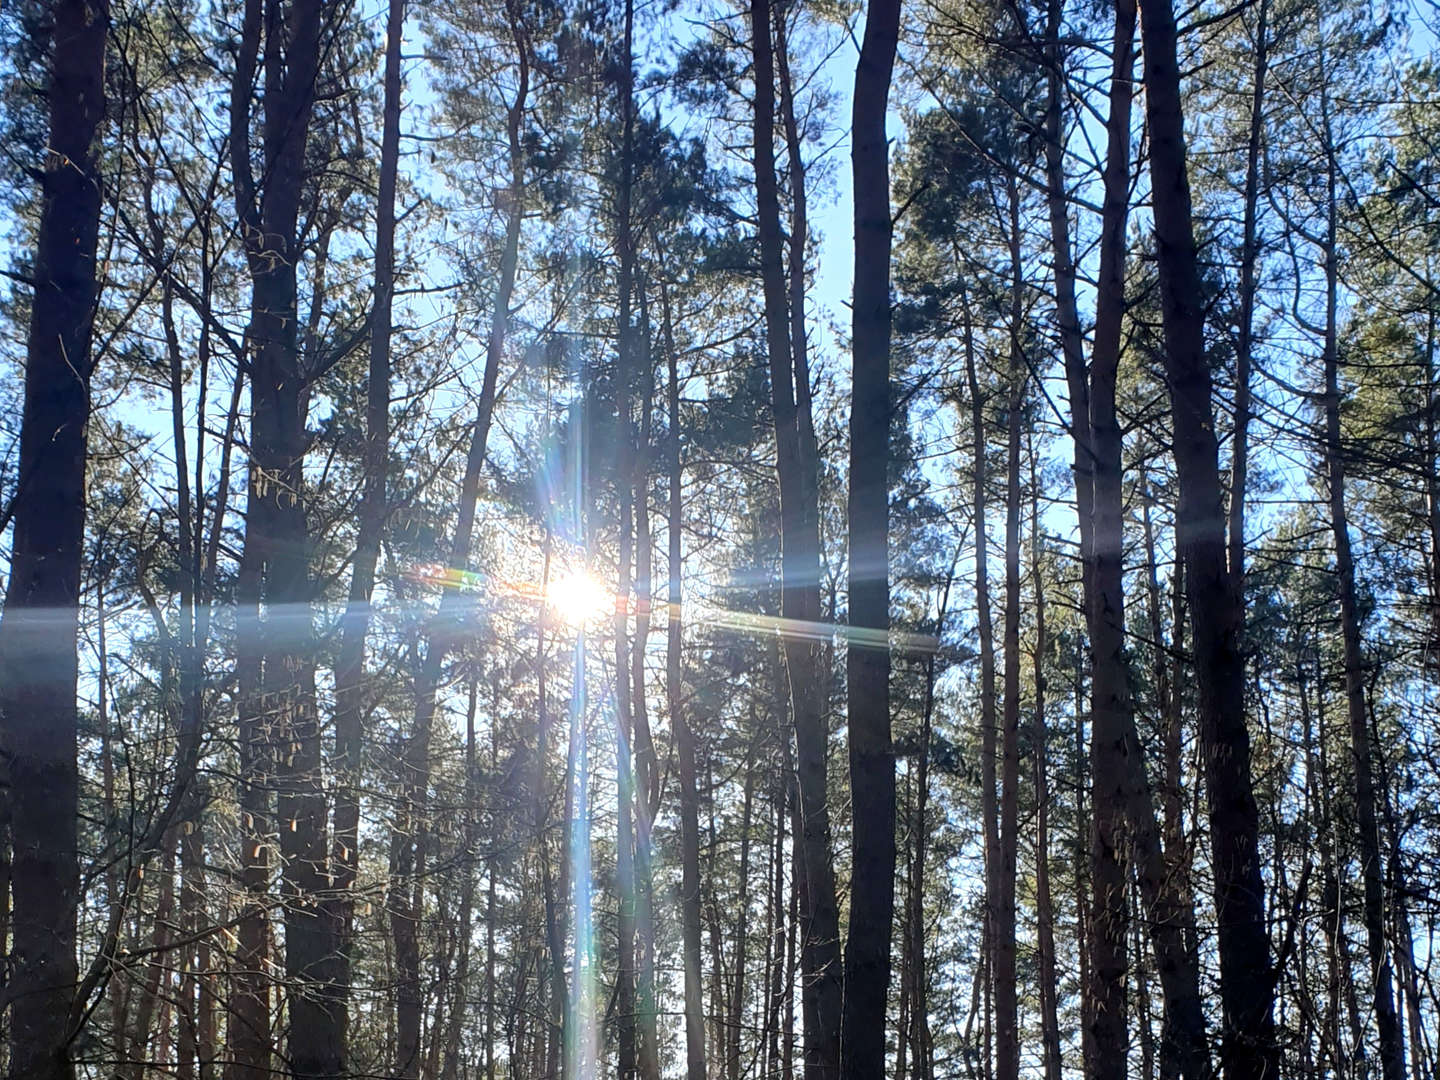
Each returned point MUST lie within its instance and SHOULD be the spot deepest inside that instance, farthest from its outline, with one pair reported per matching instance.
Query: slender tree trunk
(736, 1019)
(1249, 1050)
(626, 363)
(491, 912)
(350, 704)
(872, 760)
(193, 959)
(1067, 315)
(135, 1059)
(247, 1028)
(1105, 1024)
(470, 813)
(679, 717)
(1372, 865)
(408, 841)
(1007, 1018)
(276, 668)
(1044, 905)
(39, 664)
(775, 991)
(647, 772)
(1249, 262)
(797, 469)
(988, 723)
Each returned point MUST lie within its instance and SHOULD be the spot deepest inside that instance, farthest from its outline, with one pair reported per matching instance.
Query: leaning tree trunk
(872, 760)
(1247, 989)
(39, 666)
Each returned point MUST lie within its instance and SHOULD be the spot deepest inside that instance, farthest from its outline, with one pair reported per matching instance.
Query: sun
(578, 598)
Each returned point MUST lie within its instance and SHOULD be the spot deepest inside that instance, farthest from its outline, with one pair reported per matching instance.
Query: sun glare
(578, 598)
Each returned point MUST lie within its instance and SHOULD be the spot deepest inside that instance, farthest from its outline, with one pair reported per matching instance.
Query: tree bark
(679, 717)
(279, 724)
(797, 470)
(1007, 1017)
(350, 689)
(1249, 1050)
(1372, 863)
(1039, 736)
(988, 723)
(872, 760)
(1244, 346)
(39, 664)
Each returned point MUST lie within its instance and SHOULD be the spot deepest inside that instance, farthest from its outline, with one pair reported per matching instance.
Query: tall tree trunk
(797, 469)
(679, 717)
(470, 816)
(1039, 735)
(39, 664)
(1067, 315)
(1244, 346)
(276, 667)
(872, 760)
(1105, 1029)
(1249, 1050)
(626, 363)
(350, 689)
(736, 1019)
(407, 842)
(1184, 1049)
(1007, 1018)
(988, 723)
(647, 771)
(1372, 863)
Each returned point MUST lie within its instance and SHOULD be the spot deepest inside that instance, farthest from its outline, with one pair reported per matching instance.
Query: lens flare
(578, 598)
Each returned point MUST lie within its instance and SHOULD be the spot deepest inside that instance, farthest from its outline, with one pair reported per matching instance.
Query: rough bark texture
(1111, 717)
(38, 660)
(279, 725)
(872, 761)
(1249, 1050)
